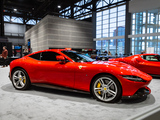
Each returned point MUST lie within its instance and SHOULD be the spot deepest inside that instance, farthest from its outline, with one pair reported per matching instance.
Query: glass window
(106, 12)
(99, 4)
(16, 20)
(105, 26)
(105, 17)
(121, 13)
(120, 8)
(6, 18)
(105, 44)
(121, 18)
(113, 20)
(112, 47)
(105, 34)
(77, 57)
(112, 34)
(155, 58)
(99, 23)
(114, 1)
(106, 21)
(99, 27)
(35, 56)
(120, 47)
(149, 44)
(99, 18)
(107, 1)
(121, 31)
(114, 15)
(121, 23)
(113, 10)
(98, 35)
(110, 28)
(49, 56)
(113, 25)
(105, 31)
(99, 31)
(99, 14)
(31, 22)
(98, 45)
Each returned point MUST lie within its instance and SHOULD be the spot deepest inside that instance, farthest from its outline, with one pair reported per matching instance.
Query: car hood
(123, 69)
(113, 64)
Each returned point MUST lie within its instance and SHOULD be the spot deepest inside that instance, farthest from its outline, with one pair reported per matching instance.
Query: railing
(14, 34)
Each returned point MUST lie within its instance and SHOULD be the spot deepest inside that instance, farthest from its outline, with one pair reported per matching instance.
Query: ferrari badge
(80, 67)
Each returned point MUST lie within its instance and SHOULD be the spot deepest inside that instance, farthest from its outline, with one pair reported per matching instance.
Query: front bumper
(142, 92)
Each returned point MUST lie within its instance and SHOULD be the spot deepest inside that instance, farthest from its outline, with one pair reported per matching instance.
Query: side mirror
(60, 58)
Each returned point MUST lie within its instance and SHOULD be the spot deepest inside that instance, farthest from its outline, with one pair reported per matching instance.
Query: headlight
(133, 78)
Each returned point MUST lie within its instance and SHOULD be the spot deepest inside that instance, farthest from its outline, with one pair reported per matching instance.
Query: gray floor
(49, 104)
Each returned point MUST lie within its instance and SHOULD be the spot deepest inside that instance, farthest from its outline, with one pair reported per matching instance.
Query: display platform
(58, 104)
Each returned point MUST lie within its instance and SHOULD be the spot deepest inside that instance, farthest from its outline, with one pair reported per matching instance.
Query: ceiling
(35, 8)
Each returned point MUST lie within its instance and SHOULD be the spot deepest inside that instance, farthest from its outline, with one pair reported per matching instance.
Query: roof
(37, 8)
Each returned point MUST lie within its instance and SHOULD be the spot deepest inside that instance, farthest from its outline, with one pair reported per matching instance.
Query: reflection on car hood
(123, 68)
(112, 63)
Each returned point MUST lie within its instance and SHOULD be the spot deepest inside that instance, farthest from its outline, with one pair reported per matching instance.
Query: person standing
(4, 56)
(109, 53)
(25, 52)
(106, 52)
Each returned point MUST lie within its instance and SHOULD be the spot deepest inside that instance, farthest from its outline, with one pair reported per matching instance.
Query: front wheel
(106, 88)
(20, 79)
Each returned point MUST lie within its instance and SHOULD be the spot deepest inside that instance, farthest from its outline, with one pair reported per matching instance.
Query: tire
(106, 88)
(20, 79)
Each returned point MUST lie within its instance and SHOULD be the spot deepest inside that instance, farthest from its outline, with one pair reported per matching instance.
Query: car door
(149, 64)
(55, 72)
(83, 75)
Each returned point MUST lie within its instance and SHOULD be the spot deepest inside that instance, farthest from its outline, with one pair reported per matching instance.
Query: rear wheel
(106, 88)
(20, 79)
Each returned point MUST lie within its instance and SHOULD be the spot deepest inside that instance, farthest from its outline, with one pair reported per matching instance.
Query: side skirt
(58, 88)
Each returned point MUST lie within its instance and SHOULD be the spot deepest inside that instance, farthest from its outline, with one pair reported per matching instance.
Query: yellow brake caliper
(98, 86)
(24, 80)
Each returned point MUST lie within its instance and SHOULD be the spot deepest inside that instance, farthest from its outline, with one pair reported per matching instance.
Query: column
(72, 11)
(127, 30)
(1, 19)
(94, 22)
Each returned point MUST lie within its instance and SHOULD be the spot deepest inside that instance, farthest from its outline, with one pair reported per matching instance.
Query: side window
(35, 56)
(150, 58)
(49, 56)
(73, 56)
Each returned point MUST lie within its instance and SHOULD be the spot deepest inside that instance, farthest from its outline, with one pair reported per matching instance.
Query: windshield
(77, 57)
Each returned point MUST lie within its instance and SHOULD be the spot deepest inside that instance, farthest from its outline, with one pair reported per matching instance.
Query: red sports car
(148, 63)
(106, 81)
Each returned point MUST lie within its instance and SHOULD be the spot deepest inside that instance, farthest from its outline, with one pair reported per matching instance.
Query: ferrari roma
(106, 81)
(148, 63)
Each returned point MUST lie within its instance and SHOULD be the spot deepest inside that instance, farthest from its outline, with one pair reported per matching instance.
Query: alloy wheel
(19, 79)
(105, 89)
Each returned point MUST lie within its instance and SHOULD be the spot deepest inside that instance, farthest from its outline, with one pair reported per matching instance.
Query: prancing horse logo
(80, 67)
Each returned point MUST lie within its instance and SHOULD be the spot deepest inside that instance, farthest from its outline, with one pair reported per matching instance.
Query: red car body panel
(149, 67)
(78, 75)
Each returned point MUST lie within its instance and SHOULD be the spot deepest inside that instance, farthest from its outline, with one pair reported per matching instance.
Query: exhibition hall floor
(49, 104)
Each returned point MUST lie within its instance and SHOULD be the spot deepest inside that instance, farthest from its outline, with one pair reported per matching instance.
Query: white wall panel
(142, 5)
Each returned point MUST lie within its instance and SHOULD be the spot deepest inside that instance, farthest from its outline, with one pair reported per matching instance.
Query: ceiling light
(12, 19)
(15, 9)
(59, 6)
